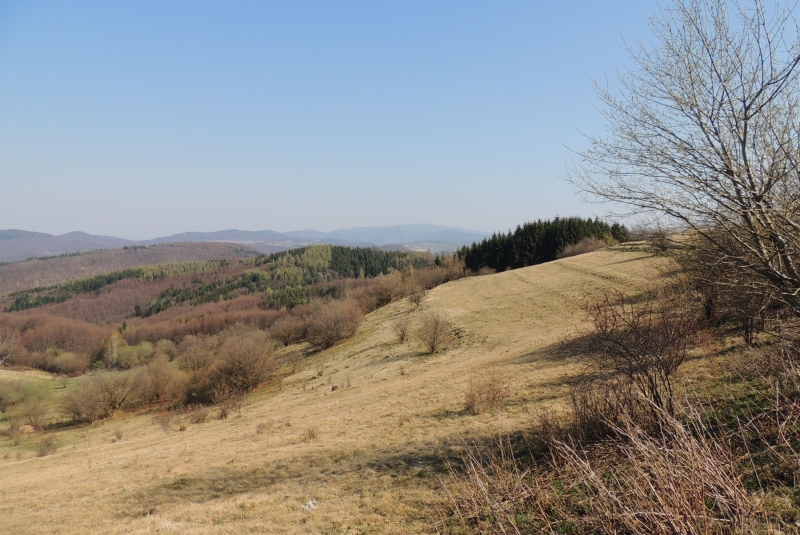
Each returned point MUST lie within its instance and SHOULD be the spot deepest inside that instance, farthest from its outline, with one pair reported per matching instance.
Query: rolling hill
(50, 271)
(354, 439)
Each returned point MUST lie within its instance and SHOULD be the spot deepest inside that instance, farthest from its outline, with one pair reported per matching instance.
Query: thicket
(537, 242)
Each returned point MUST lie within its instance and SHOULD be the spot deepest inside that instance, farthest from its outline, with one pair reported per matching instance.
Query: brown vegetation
(332, 322)
(486, 392)
(586, 245)
(434, 331)
(51, 271)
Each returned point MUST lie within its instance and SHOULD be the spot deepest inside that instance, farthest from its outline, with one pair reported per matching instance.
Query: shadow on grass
(425, 462)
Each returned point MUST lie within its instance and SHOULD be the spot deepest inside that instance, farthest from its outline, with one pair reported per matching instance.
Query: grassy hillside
(60, 269)
(353, 441)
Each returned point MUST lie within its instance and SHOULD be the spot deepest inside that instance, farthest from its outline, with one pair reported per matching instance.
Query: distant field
(364, 457)
(50, 271)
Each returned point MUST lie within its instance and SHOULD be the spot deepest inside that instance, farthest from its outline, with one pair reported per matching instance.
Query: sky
(148, 118)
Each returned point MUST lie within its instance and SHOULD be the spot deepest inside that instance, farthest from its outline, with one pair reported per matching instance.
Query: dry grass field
(352, 442)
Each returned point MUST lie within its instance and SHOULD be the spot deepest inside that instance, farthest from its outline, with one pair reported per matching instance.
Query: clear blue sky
(147, 118)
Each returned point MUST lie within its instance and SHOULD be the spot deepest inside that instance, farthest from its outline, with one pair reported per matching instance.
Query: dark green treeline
(537, 242)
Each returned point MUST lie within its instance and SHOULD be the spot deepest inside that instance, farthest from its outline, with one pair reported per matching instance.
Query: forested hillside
(171, 301)
(43, 272)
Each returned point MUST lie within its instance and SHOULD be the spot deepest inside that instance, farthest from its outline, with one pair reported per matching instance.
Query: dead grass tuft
(309, 434)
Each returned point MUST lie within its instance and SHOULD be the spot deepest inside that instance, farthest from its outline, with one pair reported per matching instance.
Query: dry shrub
(47, 446)
(227, 401)
(434, 331)
(379, 292)
(668, 483)
(332, 322)
(198, 353)
(246, 359)
(41, 331)
(54, 361)
(229, 365)
(163, 381)
(402, 326)
(101, 395)
(598, 406)
(36, 413)
(417, 296)
(586, 245)
(14, 433)
(643, 339)
(198, 415)
(164, 420)
(288, 330)
(486, 392)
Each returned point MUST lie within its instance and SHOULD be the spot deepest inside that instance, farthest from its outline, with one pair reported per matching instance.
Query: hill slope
(49, 271)
(362, 458)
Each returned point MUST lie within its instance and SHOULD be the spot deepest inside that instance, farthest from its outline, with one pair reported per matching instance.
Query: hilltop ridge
(17, 245)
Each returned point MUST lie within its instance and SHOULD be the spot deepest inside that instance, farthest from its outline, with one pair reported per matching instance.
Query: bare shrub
(36, 413)
(164, 420)
(71, 364)
(643, 339)
(599, 406)
(288, 330)
(586, 245)
(84, 404)
(417, 295)
(163, 381)
(246, 360)
(100, 396)
(332, 322)
(47, 446)
(730, 295)
(434, 331)
(379, 292)
(198, 352)
(14, 433)
(402, 327)
(227, 401)
(486, 392)
(198, 415)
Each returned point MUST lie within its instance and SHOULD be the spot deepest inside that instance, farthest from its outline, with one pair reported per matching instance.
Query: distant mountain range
(16, 245)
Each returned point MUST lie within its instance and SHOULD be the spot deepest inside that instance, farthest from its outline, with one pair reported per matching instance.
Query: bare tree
(706, 132)
(9, 344)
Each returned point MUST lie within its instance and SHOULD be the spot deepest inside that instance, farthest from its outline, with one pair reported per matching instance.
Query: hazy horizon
(152, 119)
